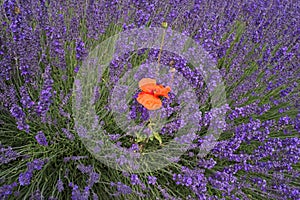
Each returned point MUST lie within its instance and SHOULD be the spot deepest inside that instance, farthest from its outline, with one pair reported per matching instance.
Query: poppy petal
(162, 91)
(149, 101)
(148, 88)
(145, 81)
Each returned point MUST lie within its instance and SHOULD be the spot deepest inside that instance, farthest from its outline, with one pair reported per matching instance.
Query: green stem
(160, 52)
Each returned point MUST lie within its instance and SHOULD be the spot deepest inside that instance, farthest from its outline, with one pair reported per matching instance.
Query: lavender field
(158, 100)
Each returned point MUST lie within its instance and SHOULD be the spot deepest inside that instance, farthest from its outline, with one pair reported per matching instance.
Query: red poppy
(149, 97)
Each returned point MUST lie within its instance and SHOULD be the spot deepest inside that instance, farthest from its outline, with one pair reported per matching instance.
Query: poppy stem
(160, 51)
(173, 74)
(150, 125)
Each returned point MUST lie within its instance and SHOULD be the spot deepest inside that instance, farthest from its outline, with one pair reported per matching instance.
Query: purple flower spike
(7, 190)
(152, 180)
(25, 178)
(60, 185)
(41, 138)
(134, 179)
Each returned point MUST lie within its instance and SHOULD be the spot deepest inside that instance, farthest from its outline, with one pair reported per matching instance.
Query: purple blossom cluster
(46, 93)
(20, 116)
(7, 155)
(194, 179)
(7, 190)
(41, 138)
(25, 177)
(80, 50)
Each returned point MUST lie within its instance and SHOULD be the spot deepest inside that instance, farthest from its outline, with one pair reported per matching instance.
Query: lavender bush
(253, 44)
